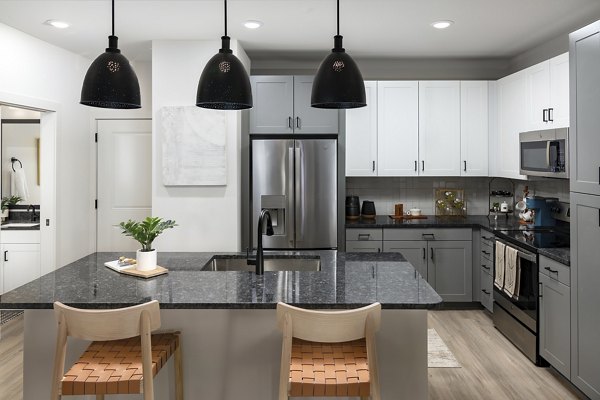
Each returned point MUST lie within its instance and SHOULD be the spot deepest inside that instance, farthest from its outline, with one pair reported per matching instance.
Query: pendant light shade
(224, 83)
(110, 82)
(338, 83)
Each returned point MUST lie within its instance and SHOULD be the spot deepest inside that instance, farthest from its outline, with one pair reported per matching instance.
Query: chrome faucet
(260, 260)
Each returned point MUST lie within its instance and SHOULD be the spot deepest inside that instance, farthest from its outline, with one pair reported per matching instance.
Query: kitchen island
(231, 346)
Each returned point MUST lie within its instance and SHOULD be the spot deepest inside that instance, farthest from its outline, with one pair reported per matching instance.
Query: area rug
(438, 354)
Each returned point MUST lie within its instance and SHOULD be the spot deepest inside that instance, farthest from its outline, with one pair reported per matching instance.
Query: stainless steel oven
(517, 316)
(545, 153)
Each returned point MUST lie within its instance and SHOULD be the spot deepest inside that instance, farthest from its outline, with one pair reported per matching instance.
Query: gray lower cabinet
(585, 293)
(450, 269)
(555, 315)
(487, 290)
(415, 252)
(364, 240)
(447, 265)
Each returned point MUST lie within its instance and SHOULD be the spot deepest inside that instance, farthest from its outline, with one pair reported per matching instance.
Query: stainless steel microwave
(545, 153)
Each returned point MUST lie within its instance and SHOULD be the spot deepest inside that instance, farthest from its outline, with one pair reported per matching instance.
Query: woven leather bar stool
(123, 357)
(329, 353)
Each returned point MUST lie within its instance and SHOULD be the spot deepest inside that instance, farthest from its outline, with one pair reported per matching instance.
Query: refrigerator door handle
(290, 208)
(300, 213)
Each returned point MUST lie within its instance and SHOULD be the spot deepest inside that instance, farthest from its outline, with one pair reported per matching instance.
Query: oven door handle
(529, 257)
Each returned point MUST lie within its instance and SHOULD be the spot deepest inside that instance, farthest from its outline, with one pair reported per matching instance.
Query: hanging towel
(18, 184)
(499, 265)
(512, 272)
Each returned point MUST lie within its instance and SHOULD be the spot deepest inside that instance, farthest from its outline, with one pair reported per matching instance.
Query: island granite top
(346, 280)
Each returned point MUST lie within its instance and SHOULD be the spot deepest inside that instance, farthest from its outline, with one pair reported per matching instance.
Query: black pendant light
(224, 83)
(110, 82)
(338, 83)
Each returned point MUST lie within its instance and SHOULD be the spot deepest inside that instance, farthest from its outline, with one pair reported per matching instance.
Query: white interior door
(124, 179)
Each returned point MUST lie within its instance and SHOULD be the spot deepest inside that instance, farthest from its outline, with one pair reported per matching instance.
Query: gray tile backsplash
(419, 192)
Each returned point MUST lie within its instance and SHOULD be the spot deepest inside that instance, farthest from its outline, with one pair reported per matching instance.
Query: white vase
(146, 260)
(4, 214)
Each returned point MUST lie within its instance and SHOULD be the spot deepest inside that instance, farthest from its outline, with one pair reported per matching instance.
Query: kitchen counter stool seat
(329, 353)
(123, 357)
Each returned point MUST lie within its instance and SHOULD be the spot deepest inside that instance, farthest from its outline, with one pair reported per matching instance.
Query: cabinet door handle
(431, 255)
(550, 116)
(416, 167)
(544, 118)
(485, 291)
(423, 165)
(298, 122)
(485, 267)
(487, 253)
(465, 169)
(424, 254)
(5, 255)
(290, 122)
(379, 250)
(540, 290)
(373, 166)
(551, 270)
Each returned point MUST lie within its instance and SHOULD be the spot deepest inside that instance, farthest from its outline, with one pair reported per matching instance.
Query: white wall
(36, 69)
(209, 217)
(19, 141)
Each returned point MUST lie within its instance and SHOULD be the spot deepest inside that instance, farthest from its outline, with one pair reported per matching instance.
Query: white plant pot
(4, 214)
(146, 260)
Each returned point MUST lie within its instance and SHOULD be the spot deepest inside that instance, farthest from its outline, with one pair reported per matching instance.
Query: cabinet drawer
(364, 234)
(24, 236)
(427, 234)
(487, 237)
(487, 266)
(555, 270)
(363, 246)
(487, 291)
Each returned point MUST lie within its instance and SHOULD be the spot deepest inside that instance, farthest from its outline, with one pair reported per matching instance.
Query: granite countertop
(36, 227)
(470, 221)
(346, 280)
(562, 255)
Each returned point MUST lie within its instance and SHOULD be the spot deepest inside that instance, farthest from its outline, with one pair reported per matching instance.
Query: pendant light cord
(225, 1)
(338, 17)
(113, 17)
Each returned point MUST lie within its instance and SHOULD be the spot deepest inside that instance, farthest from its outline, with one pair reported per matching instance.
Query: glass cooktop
(539, 237)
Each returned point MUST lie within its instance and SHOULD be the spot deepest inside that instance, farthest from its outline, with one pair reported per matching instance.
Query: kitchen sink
(20, 225)
(274, 264)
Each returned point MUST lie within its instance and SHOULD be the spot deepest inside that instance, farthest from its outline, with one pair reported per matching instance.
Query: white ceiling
(371, 28)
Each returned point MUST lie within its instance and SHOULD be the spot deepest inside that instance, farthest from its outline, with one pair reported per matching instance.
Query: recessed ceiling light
(57, 24)
(442, 24)
(253, 24)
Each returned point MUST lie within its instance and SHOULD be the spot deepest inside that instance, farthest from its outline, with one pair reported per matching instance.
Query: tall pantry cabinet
(584, 142)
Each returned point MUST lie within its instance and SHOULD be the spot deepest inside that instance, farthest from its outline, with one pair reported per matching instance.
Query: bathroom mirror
(21, 155)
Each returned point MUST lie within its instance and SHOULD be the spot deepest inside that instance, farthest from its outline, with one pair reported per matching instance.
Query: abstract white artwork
(193, 146)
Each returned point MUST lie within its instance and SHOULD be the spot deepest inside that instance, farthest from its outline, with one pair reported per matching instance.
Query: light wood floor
(492, 368)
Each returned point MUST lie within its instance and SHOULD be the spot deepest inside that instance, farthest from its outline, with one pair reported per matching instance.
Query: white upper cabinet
(559, 91)
(439, 128)
(398, 128)
(474, 128)
(548, 94)
(308, 119)
(282, 105)
(273, 110)
(361, 136)
(512, 119)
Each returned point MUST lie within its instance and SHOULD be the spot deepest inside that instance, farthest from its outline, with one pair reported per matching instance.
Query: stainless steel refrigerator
(296, 180)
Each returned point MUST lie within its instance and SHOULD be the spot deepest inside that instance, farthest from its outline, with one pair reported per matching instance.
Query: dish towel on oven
(499, 266)
(512, 272)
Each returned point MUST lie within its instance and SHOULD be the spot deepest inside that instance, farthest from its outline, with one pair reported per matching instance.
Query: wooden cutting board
(408, 216)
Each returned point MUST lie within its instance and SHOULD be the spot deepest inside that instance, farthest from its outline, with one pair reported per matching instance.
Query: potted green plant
(6, 202)
(145, 232)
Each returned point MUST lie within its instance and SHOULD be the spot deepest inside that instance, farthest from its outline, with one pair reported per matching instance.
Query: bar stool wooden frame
(328, 327)
(102, 326)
